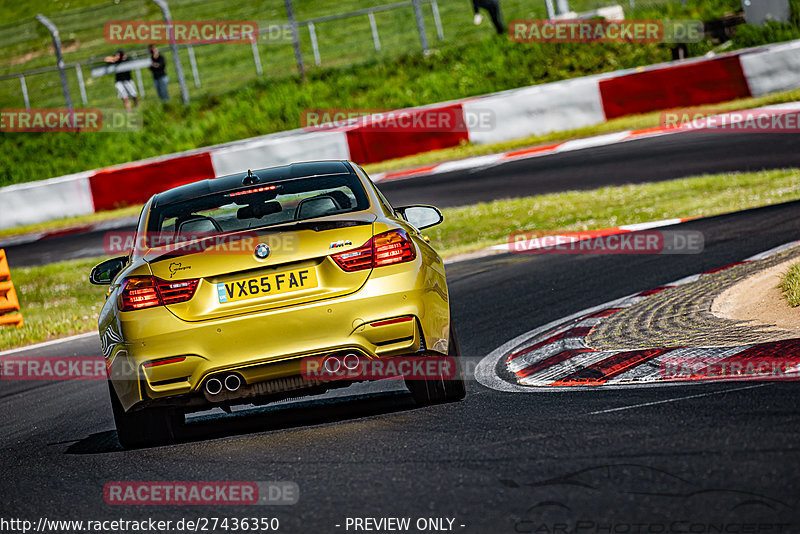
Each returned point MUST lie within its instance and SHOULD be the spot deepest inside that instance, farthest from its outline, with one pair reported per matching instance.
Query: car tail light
(355, 260)
(175, 292)
(165, 361)
(393, 247)
(396, 320)
(383, 249)
(141, 292)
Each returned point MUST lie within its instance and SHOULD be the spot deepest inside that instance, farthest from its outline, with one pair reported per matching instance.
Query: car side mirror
(104, 273)
(421, 216)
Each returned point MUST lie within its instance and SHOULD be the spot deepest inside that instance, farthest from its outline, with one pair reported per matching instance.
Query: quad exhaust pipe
(213, 386)
(232, 382)
(333, 364)
(216, 384)
(350, 361)
(224, 387)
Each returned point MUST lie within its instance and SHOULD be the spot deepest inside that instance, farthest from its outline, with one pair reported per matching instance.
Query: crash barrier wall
(540, 109)
(771, 69)
(692, 84)
(558, 106)
(9, 302)
(120, 186)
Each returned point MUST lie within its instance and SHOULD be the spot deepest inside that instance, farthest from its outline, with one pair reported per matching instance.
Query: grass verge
(271, 105)
(57, 299)
(790, 285)
(70, 222)
(474, 64)
(633, 122)
(481, 225)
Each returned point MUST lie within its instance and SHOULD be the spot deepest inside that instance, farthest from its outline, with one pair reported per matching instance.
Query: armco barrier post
(551, 12)
(298, 54)
(162, 4)
(9, 302)
(59, 59)
(423, 37)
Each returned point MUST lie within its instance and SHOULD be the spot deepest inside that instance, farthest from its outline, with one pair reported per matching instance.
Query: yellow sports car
(237, 288)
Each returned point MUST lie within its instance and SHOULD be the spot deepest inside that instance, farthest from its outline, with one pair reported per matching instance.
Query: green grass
(632, 122)
(233, 103)
(271, 105)
(449, 154)
(26, 45)
(68, 222)
(481, 225)
(790, 285)
(57, 299)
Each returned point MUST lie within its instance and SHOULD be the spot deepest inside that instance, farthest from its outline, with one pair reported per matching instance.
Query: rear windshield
(259, 206)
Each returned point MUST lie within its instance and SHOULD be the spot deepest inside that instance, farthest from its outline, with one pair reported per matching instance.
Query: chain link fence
(331, 34)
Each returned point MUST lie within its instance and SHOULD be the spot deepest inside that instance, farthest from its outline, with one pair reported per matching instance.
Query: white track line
(569, 145)
(676, 399)
(48, 343)
(485, 370)
(653, 370)
(546, 241)
(486, 374)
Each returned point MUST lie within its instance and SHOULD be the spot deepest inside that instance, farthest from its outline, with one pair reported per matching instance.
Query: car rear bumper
(270, 346)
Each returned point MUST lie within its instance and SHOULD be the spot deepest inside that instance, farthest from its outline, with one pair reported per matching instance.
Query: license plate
(268, 284)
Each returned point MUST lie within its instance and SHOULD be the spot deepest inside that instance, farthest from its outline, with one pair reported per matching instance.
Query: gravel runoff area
(735, 306)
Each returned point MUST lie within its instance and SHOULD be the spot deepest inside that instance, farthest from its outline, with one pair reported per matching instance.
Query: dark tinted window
(260, 205)
(382, 198)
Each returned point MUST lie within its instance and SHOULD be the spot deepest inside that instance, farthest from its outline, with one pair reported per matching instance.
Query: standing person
(493, 7)
(122, 80)
(158, 67)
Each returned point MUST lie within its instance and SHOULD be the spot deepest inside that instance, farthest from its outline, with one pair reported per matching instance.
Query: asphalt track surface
(687, 458)
(643, 160)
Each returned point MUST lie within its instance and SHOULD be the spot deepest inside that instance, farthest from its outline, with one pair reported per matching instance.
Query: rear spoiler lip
(195, 247)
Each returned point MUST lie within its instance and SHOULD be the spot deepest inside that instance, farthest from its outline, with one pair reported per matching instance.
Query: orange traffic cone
(8, 296)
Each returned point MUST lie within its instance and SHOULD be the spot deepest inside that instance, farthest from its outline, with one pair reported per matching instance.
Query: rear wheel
(441, 389)
(153, 426)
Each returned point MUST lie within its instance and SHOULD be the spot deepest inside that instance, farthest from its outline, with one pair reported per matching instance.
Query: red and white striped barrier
(540, 109)
(557, 356)
(729, 118)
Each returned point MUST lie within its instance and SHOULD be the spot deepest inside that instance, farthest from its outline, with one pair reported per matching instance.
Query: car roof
(236, 181)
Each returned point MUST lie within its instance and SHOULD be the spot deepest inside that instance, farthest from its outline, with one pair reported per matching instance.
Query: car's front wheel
(441, 389)
(153, 426)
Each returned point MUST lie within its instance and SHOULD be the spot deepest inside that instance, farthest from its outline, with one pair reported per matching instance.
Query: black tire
(153, 426)
(456, 388)
(434, 391)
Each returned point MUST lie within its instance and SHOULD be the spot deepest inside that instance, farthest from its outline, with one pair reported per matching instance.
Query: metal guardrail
(309, 24)
(331, 43)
